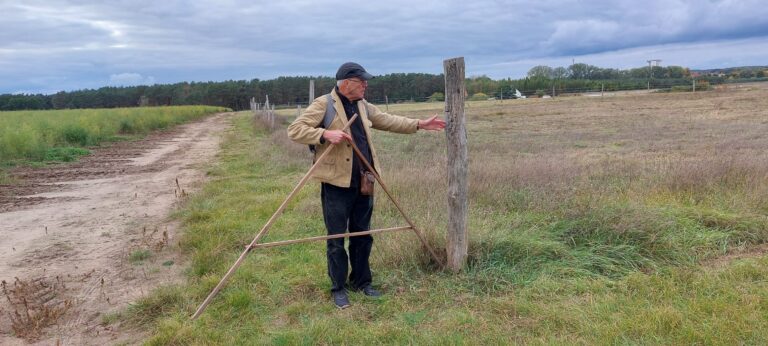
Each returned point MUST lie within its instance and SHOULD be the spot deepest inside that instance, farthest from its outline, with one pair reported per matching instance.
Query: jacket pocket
(326, 170)
(329, 159)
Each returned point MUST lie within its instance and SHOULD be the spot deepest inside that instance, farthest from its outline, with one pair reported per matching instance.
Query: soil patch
(82, 240)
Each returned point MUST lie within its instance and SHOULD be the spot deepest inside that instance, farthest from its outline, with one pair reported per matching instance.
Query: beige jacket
(336, 168)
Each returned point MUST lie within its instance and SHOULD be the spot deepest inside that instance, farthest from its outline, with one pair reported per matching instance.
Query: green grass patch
(66, 154)
(52, 135)
(138, 256)
(111, 318)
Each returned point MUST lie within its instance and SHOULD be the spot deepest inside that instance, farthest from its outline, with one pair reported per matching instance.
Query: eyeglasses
(363, 82)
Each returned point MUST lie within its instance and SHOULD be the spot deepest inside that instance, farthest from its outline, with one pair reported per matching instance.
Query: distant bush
(479, 97)
(681, 88)
(702, 85)
(540, 93)
(437, 97)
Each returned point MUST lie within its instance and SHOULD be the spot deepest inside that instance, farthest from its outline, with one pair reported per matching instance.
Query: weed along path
(81, 241)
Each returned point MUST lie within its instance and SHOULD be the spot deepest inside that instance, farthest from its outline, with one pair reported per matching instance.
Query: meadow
(629, 219)
(62, 135)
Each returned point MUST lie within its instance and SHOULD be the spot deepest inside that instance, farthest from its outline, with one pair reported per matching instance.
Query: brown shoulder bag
(366, 183)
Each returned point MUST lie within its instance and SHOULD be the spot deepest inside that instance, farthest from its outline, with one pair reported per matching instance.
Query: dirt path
(80, 241)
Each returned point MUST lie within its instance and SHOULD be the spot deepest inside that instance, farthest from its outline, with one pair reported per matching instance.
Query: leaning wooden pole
(456, 133)
(334, 236)
(397, 205)
(264, 229)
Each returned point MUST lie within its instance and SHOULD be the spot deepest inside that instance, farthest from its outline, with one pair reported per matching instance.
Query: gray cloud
(50, 45)
(630, 24)
(127, 79)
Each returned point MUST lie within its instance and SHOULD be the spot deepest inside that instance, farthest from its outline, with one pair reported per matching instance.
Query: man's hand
(432, 124)
(336, 136)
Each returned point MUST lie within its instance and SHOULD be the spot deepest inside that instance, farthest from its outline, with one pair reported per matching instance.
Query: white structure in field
(518, 94)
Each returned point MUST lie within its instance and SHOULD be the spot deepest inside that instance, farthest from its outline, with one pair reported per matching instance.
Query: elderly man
(345, 208)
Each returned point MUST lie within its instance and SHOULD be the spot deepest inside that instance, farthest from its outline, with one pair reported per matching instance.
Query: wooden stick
(397, 205)
(325, 237)
(266, 227)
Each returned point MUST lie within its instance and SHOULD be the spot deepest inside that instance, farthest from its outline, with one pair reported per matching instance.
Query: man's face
(354, 88)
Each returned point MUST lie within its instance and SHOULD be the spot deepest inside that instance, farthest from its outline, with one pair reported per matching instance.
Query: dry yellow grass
(576, 154)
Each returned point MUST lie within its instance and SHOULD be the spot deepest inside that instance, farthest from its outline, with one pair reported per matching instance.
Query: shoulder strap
(367, 106)
(330, 111)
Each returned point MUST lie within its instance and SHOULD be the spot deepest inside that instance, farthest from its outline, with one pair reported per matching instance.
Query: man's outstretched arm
(434, 123)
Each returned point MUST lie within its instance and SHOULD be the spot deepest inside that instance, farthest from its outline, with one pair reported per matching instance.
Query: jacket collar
(344, 99)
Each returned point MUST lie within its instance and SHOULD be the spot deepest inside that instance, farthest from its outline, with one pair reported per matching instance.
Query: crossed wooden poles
(254, 244)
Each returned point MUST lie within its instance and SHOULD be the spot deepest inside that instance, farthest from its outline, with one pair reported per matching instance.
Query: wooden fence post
(311, 91)
(456, 134)
(272, 118)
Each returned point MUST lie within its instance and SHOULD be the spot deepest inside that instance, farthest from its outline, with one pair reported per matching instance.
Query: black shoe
(340, 299)
(370, 291)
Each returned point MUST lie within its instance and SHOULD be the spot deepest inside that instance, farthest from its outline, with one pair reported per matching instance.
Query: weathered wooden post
(266, 107)
(272, 118)
(311, 91)
(456, 133)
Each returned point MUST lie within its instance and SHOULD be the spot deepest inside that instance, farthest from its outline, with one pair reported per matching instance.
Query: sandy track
(67, 232)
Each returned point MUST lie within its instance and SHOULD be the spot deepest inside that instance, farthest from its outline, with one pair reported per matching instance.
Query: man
(344, 207)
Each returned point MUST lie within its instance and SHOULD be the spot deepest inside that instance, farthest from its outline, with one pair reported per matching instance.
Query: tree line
(396, 87)
(234, 94)
(591, 72)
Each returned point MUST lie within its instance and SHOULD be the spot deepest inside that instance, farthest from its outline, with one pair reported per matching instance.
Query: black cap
(350, 70)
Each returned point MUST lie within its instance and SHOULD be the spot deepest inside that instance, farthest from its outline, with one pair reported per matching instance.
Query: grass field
(63, 135)
(635, 219)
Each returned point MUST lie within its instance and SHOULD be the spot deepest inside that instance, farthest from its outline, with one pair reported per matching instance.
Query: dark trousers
(344, 209)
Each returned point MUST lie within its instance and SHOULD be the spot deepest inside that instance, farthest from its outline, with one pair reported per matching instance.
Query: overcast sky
(53, 45)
